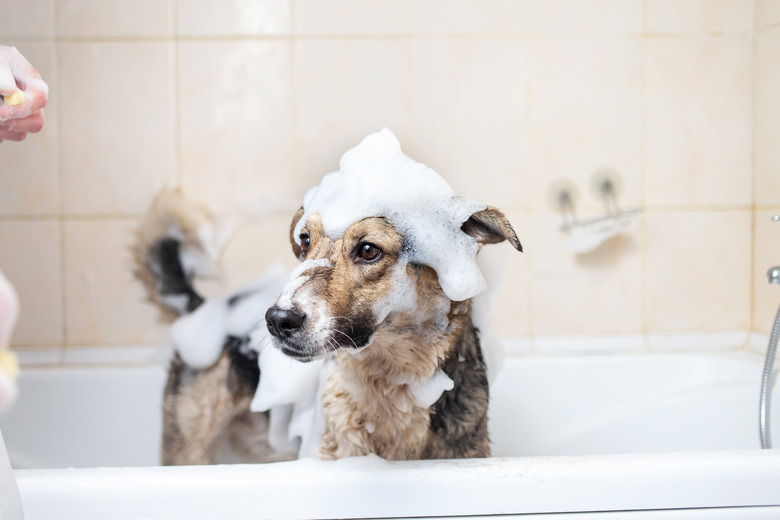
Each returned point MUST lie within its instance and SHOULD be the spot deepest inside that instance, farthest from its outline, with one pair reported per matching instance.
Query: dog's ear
(490, 226)
(293, 239)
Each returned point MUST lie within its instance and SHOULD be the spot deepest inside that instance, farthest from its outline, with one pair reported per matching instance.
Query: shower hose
(766, 384)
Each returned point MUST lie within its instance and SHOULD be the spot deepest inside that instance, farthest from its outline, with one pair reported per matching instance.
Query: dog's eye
(305, 243)
(367, 252)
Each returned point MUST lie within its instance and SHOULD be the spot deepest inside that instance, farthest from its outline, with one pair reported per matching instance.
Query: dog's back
(206, 404)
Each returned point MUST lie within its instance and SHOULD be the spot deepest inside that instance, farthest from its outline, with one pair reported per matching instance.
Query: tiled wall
(246, 103)
(766, 233)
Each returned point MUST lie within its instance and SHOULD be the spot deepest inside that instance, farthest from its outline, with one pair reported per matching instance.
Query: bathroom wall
(766, 151)
(246, 103)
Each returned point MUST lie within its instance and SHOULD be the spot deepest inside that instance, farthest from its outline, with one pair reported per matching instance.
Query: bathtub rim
(589, 483)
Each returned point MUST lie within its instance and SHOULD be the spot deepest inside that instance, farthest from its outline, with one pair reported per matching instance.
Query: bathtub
(636, 437)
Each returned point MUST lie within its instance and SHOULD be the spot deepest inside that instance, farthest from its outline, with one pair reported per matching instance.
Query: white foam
(492, 262)
(402, 296)
(376, 179)
(285, 299)
(429, 391)
(249, 312)
(307, 265)
(290, 390)
(198, 337)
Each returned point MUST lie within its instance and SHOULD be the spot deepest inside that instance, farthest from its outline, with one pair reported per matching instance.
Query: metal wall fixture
(769, 363)
(585, 235)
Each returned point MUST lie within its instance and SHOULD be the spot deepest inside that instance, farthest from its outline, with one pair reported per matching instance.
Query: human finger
(12, 136)
(25, 82)
(30, 124)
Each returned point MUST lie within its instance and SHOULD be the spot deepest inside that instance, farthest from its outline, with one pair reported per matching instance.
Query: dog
(409, 379)
(405, 375)
(214, 373)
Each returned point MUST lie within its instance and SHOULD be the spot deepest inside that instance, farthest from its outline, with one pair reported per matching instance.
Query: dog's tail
(177, 240)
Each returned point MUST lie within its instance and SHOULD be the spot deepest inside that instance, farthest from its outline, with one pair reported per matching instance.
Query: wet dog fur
(206, 415)
(337, 307)
(368, 398)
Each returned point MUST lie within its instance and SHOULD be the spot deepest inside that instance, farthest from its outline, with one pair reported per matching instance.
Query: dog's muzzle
(283, 323)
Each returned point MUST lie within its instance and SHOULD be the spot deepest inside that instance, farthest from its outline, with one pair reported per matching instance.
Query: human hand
(25, 94)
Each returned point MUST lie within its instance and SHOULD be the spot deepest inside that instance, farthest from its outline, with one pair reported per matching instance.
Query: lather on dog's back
(409, 379)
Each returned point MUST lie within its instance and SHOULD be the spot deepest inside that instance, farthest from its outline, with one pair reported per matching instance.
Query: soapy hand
(24, 96)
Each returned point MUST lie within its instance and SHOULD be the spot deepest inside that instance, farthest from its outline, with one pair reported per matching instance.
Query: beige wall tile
(698, 271)
(26, 19)
(104, 304)
(29, 176)
(345, 91)
(30, 259)
(233, 17)
(116, 125)
(586, 110)
(767, 118)
(257, 245)
(320, 17)
(596, 293)
(699, 16)
(767, 13)
(93, 18)
(699, 121)
(593, 16)
(766, 296)
(470, 117)
(236, 121)
(485, 17)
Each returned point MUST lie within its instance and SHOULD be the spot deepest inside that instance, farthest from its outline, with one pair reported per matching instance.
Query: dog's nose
(283, 322)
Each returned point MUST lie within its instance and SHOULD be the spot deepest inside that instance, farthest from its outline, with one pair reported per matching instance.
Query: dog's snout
(283, 322)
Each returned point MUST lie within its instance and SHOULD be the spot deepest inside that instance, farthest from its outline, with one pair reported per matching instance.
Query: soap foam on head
(376, 179)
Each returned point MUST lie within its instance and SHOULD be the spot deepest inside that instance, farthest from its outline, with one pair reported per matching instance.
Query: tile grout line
(753, 191)
(175, 94)
(644, 304)
(61, 208)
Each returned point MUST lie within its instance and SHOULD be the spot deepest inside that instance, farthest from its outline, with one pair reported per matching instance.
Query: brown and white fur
(330, 309)
(337, 307)
(206, 415)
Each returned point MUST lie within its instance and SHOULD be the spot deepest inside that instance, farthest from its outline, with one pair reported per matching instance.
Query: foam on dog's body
(402, 296)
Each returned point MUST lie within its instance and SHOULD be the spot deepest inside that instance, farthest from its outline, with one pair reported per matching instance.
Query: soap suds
(291, 391)
(199, 336)
(428, 391)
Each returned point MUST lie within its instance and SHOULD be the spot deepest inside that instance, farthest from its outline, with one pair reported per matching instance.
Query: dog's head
(347, 287)
(382, 237)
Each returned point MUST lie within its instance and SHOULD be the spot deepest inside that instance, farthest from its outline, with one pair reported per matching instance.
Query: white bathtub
(639, 436)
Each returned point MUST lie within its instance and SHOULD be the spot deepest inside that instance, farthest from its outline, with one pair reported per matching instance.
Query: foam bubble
(198, 337)
(428, 391)
(376, 179)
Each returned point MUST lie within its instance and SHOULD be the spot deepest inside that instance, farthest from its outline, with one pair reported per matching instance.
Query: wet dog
(374, 399)
(387, 303)
(389, 269)
(213, 375)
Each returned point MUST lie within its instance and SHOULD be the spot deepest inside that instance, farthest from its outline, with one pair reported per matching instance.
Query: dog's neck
(411, 346)
(371, 393)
